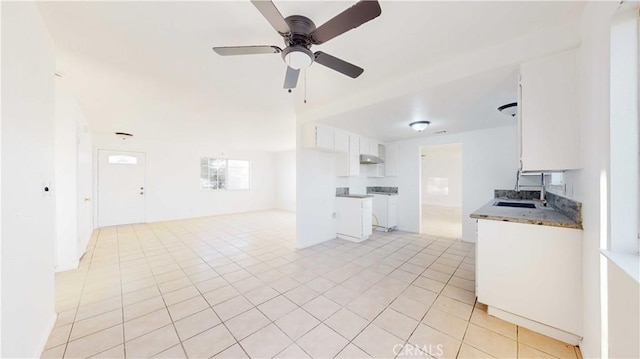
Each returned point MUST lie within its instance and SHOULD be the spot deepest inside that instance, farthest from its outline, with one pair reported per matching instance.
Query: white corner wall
(590, 184)
(285, 180)
(28, 213)
(173, 177)
(315, 194)
(73, 228)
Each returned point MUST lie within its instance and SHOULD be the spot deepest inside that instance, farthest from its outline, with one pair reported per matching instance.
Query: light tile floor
(442, 221)
(236, 287)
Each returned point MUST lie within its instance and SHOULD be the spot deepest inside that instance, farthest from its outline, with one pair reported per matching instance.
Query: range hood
(370, 160)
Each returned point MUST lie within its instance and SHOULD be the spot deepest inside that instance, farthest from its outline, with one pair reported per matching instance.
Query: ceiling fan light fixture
(297, 57)
(419, 126)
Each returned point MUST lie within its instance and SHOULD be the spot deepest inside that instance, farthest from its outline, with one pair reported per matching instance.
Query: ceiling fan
(300, 33)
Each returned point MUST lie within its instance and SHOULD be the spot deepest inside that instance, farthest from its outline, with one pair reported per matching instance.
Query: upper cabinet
(548, 122)
(348, 147)
(391, 160)
(341, 141)
(348, 164)
(318, 136)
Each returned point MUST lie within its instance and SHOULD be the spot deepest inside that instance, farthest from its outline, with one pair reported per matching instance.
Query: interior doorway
(441, 190)
(121, 187)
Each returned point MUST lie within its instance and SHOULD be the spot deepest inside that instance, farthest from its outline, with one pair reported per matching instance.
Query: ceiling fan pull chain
(305, 85)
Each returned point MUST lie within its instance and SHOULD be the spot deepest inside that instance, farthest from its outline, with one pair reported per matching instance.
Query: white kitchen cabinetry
(391, 160)
(354, 218)
(348, 164)
(377, 170)
(385, 211)
(548, 119)
(318, 136)
(374, 147)
(341, 141)
(531, 275)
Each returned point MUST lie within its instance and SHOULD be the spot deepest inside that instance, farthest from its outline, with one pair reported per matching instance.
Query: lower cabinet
(531, 275)
(385, 211)
(354, 218)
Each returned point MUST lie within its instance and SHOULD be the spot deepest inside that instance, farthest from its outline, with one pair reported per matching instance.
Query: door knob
(141, 192)
(141, 188)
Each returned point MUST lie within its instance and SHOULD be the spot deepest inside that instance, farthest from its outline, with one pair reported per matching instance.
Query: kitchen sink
(515, 204)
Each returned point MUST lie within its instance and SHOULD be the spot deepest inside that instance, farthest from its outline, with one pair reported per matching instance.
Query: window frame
(225, 161)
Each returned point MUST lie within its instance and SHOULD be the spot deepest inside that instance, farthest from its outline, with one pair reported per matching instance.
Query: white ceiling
(148, 68)
(463, 105)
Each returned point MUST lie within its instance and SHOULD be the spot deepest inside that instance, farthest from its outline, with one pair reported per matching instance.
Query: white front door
(121, 187)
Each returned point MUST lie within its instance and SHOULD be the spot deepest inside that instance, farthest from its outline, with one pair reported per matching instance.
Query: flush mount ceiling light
(510, 109)
(124, 135)
(419, 125)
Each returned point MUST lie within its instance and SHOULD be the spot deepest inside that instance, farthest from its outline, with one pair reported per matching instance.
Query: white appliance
(354, 217)
(385, 211)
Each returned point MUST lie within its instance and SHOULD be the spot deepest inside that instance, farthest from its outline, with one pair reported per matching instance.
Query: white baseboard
(352, 239)
(45, 338)
(549, 331)
(67, 266)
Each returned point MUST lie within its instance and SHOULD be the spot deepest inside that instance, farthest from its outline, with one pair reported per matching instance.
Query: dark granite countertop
(541, 215)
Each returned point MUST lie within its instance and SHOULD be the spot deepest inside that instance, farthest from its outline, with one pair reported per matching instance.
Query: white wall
(442, 163)
(71, 129)
(624, 314)
(285, 180)
(173, 177)
(315, 194)
(28, 214)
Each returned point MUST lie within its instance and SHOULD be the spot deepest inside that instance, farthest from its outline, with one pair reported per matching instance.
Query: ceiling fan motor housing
(301, 27)
(297, 54)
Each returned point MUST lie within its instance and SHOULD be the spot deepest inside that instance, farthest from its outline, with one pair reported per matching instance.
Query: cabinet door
(391, 160)
(392, 211)
(548, 109)
(374, 148)
(324, 137)
(367, 218)
(354, 155)
(511, 277)
(341, 141)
